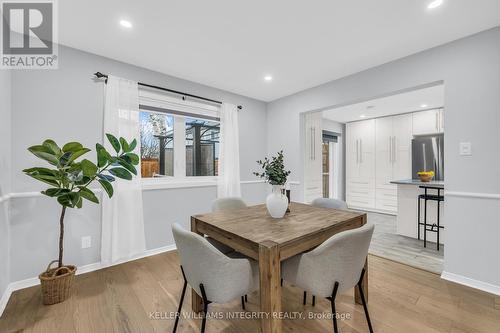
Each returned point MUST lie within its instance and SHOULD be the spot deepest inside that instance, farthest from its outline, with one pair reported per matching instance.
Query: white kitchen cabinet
(393, 158)
(360, 172)
(428, 122)
(313, 156)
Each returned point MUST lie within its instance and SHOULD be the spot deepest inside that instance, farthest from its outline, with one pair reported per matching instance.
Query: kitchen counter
(418, 182)
(406, 220)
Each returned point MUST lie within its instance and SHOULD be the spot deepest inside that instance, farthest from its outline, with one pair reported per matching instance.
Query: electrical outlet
(86, 242)
(465, 149)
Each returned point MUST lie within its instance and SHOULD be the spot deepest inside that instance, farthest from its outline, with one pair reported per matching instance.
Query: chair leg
(334, 312)
(246, 298)
(314, 301)
(178, 314)
(205, 307)
(281, 283)
(305, 298)
(364, 302)
(243, 302)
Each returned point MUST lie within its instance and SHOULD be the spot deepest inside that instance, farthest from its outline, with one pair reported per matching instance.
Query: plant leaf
(102, 155)
(121, 173)
(106, 177)
(72, 147)
(89, 168)
(107, 187)
(124, 144)
(54, 148)
(114, 142)
(132, 145)
(44, 153)
(134, 158)
(55, 192)
(77, 154)
(88, 194)
(75, 198)
(64, 200)
(64, 159)
(127, 166)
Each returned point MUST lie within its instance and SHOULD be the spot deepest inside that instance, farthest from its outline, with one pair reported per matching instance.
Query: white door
(426, 122)
(384, 155)
(402, 126)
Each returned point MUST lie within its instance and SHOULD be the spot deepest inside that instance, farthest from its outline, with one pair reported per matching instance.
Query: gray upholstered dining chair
(225, 204)
(215, 276)
(329, 203)
(228, 204)
(325, 203)
(333, 267)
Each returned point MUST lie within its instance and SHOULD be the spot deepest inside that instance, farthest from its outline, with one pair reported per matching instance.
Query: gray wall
(470, 69)
(66, 104)
(5, 149)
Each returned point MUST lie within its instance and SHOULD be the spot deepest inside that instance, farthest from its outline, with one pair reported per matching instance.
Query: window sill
(168, 183)
(149, 184)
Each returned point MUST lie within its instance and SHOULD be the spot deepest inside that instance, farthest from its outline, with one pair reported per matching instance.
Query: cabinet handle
(357, 152)
(314, 138)
(437, 121)
(311, 143)
(360, 151)
(393, 149)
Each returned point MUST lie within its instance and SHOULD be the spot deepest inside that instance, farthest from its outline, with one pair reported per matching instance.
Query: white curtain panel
(122, 215)
(228, 184)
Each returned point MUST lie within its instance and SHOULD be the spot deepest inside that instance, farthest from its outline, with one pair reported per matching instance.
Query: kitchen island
(408, 192)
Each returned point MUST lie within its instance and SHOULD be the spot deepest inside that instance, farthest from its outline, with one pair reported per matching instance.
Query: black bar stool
(434, 227)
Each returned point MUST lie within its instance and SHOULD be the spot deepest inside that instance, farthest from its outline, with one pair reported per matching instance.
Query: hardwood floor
(386, 243)
(138, 296)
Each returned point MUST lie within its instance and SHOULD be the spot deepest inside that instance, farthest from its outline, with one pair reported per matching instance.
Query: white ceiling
(416, 100)
(232, 45)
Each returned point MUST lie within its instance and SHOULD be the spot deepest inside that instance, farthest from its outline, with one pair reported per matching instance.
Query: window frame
(161, 103)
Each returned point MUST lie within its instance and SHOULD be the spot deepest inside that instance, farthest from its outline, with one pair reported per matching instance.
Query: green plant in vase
(274, 172)
(69, 177)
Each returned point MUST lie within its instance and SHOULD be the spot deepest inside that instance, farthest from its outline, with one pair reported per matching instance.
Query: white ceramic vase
(277, 202)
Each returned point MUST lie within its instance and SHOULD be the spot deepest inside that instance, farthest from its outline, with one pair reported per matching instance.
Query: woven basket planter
(57, 283)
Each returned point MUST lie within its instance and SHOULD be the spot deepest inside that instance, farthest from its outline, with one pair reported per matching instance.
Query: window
(179, 140)
(157, 144)
(202, 147)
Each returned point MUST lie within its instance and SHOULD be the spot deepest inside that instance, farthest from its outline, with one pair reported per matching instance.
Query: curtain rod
(100, 75)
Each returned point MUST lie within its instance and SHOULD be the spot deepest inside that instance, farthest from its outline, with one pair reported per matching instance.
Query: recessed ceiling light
(268, 78)
(362, 116)
(435, 4)
(424, 105)
(126, 24)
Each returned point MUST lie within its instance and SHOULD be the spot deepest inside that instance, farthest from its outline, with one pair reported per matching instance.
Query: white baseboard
(26, 283)
(484, 286)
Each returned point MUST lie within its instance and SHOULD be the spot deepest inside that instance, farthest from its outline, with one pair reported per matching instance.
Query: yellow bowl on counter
(425, 176)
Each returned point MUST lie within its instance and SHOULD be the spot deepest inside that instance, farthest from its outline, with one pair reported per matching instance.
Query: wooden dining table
(254, 233)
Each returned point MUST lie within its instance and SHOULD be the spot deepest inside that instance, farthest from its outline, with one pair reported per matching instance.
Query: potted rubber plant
(273, 171)
(70, 177)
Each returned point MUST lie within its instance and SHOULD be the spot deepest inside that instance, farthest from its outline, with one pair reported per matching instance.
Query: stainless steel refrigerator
(428, 155)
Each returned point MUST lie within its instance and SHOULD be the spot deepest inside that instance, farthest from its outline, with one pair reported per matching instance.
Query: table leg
(364, 285)
(196, 300)
(270, 287)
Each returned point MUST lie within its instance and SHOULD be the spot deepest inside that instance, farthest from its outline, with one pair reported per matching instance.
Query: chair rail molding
(472, 195)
